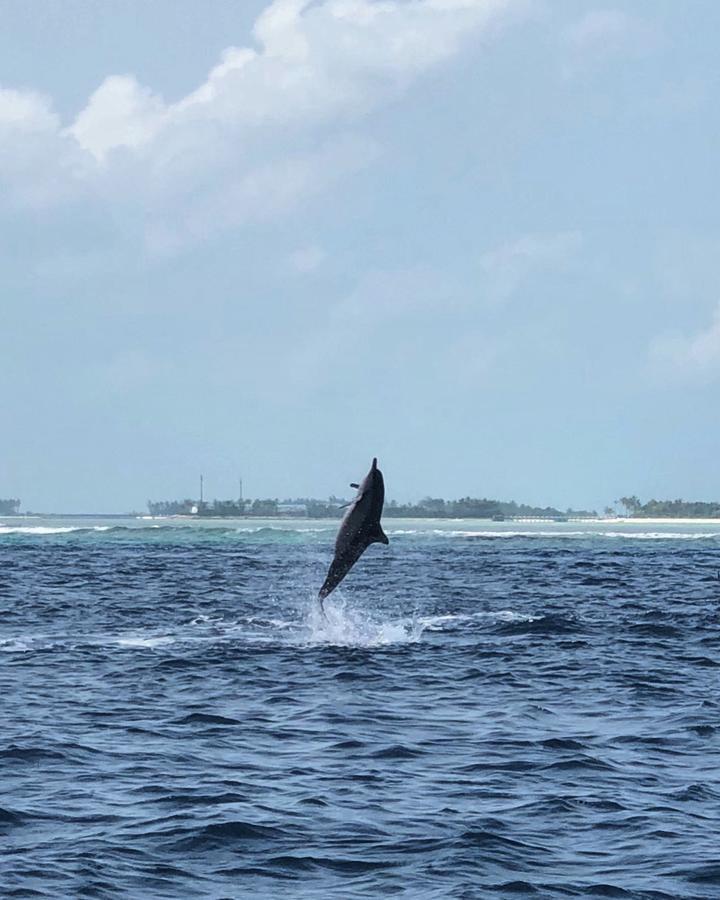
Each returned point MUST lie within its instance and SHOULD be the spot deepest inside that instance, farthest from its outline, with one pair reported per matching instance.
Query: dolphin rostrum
(359, 528)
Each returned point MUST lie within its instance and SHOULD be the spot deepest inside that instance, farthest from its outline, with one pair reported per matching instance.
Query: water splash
(345, 625)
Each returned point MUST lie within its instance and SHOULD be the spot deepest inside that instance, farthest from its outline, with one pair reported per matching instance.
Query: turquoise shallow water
(500, 710)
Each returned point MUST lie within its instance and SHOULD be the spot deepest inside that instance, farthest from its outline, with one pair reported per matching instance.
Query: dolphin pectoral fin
(378, 536)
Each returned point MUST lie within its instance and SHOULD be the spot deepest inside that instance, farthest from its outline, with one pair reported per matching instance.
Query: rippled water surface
(490, 711)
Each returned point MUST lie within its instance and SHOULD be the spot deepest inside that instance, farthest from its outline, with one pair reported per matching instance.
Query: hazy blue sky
(479, 239)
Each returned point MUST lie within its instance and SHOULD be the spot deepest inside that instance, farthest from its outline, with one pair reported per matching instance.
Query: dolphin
(359, 528)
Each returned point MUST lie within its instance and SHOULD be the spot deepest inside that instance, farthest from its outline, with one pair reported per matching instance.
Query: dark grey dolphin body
(359, 528)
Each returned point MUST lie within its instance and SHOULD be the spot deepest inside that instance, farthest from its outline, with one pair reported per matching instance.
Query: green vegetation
(427, 508)
(669, 509)
(474, 508)
(333, 508)
(172, 507)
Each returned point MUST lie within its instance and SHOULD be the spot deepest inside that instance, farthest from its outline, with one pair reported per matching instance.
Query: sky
(478, 239)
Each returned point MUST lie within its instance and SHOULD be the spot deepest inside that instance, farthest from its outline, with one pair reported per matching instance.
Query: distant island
(435, 508)
(333, 508)
(427, 508)
(667, 509)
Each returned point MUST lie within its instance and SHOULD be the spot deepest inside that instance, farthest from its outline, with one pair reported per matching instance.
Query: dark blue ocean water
(492, 711)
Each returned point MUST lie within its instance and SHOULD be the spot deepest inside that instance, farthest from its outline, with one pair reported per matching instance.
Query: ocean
(491, 710)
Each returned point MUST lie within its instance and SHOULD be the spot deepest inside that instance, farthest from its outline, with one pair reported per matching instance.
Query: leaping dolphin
(359, 528)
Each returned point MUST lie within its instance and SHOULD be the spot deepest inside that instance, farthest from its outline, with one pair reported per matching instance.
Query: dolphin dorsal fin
(377, 536)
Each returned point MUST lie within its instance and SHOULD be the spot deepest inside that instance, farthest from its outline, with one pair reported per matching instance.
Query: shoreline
(529, 520)
(655, 520)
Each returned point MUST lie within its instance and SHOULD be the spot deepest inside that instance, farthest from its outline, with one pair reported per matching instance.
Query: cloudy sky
(479, 239)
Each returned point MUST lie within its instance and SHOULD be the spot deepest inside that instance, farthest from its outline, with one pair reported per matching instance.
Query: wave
(550, 624)
(141, 642)
(343, 625)
(396, 751)
(91, 529)
(208, 529)
(509, 534)
(47, 529)
(663, 535)
(9, 817)
(29, 754)
(275, 529)
(228, 834)
(205, 719)
(502, 616)
(565, 535)
(14, 645)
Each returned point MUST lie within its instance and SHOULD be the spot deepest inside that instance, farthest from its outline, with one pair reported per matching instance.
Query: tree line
(669, 509)
(334, 507)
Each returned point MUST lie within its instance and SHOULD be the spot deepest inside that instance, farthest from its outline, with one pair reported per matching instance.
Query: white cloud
(269, 125)
(121, 113)
(37, 165)
(315, 62)
(688, 358)
(25, 111)
(505, 269)
(261, 192)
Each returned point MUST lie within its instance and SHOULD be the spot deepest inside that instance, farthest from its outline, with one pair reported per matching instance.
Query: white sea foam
(560, 535)
(14, 645)
(436, 623)
(440, 532)
(500, 533)
(508, 615)
(36, 529)
(275, 529)
(440, 622)
(138, 641)
(346, 626)
(46, 529)
(662, 535)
